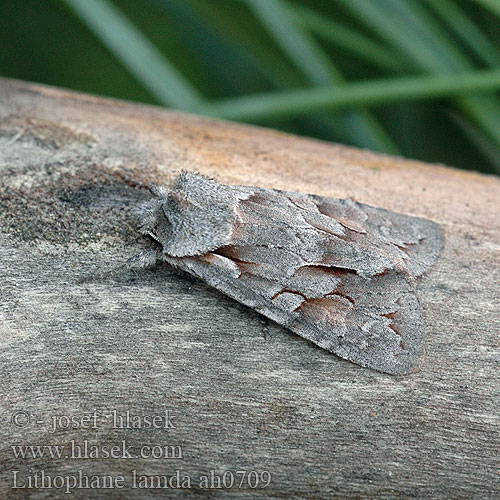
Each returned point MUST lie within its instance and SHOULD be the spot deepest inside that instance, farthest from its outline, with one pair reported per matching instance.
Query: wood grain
(80, 333)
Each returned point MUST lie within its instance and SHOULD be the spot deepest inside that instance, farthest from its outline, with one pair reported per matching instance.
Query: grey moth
(337, 272)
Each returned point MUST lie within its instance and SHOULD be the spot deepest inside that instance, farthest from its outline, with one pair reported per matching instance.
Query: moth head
(192, 218)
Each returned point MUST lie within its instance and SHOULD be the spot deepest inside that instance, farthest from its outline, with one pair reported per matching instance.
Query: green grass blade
(248, 42)
(485, 110)
(420, 36)
(255, 51)
(369, 132)
(492, 5)
(480, 140)
(368, 93)
(349, 39)
(314, 63)
(301, 49)
(384, 21)
(467, 30)
(142, 58)
(429, 30)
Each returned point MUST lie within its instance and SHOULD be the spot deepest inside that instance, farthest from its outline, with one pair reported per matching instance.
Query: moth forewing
(337, 272)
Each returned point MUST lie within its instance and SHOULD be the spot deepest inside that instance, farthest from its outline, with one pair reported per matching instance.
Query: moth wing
(333, 271)
(374, 322)
(418, 240)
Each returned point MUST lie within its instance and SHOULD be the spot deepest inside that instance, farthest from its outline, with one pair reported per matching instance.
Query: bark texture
(82, 335)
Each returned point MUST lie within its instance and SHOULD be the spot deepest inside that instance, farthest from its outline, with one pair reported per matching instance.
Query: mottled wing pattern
(336, 272)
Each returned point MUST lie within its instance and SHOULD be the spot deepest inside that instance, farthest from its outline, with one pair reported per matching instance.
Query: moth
(337, 272)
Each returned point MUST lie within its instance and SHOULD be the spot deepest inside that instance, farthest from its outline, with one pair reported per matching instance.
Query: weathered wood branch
(81, 334)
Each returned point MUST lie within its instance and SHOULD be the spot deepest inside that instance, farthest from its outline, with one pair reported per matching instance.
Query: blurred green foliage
(413, 77)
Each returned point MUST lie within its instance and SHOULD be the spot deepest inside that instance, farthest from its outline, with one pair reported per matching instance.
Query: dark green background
(224, 50)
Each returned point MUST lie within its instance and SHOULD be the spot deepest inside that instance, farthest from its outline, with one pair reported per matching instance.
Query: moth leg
(147, 258)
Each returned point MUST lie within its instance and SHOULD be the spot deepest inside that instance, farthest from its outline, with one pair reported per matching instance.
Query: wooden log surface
(83, 337)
